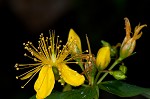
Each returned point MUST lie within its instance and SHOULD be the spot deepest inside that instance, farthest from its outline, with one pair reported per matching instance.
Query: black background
(23, 20)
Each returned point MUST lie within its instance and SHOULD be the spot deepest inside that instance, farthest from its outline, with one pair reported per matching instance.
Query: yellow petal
(45, 82)
(73, 37)
(70, 76)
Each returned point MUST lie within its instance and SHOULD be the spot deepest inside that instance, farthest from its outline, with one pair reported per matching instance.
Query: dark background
(23, 20)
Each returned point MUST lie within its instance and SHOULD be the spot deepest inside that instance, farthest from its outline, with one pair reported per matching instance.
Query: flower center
(53, 58)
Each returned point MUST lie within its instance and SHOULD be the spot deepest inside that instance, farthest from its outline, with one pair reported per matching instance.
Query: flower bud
(119, 75)
(129, 42)
(127, 49)
(105, 43)
(123, 69)
(103, 57)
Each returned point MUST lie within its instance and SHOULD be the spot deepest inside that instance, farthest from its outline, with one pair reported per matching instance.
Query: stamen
(24, 66)
(87, 68)
(16, 65)
(88, 43)
(72, 62)
(34, 51)
(43, 48)
(17, 68)
(29, 71)
(31, 78)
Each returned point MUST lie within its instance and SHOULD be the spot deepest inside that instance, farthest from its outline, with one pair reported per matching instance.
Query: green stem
(97, 76)
(81, 66)
(97, 90)
(111, 67)
(84, 85)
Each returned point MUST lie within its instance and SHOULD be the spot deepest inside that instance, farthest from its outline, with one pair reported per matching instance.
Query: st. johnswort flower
(129, 43)
(46, 56)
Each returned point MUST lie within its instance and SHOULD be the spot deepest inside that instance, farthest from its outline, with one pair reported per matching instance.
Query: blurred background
(23, 20)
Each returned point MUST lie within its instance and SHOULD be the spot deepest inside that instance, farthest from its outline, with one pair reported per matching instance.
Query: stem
(97, 90)
(81, 66)
(84, 85)
(97, 76)
(111, 67)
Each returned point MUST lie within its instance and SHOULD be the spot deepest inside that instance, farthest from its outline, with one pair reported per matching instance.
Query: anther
(17, 68)
(22, 86)
(35, 59)
(59, 73)
(89, 62)
(25, 47)
(90, 56)
(62, 84)
(25, 54)
(16, 65)
(30, 42)
(60, 41)
(17, 77)
(59, 80)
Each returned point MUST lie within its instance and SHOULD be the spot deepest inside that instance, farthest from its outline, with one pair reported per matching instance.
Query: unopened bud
(127, 49)
(123, 69)
(119, 75)
(103, 57)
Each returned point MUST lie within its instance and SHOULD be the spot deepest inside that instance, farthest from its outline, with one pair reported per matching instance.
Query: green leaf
(123, 89)
(146, 94)
(81, 93)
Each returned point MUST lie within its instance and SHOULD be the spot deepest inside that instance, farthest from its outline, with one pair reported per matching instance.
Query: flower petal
(45, 82)
(70, 76)
(73, 37)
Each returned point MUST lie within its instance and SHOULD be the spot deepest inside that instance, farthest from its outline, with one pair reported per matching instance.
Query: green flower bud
(105, 43)
(119, 75)
(113, 49)
(123, 69)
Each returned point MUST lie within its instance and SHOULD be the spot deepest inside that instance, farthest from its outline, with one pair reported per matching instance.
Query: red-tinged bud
(129, 43)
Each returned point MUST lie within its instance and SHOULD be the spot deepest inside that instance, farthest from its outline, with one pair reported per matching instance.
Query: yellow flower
(103, 57)
(46, 56)
(129, 42)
